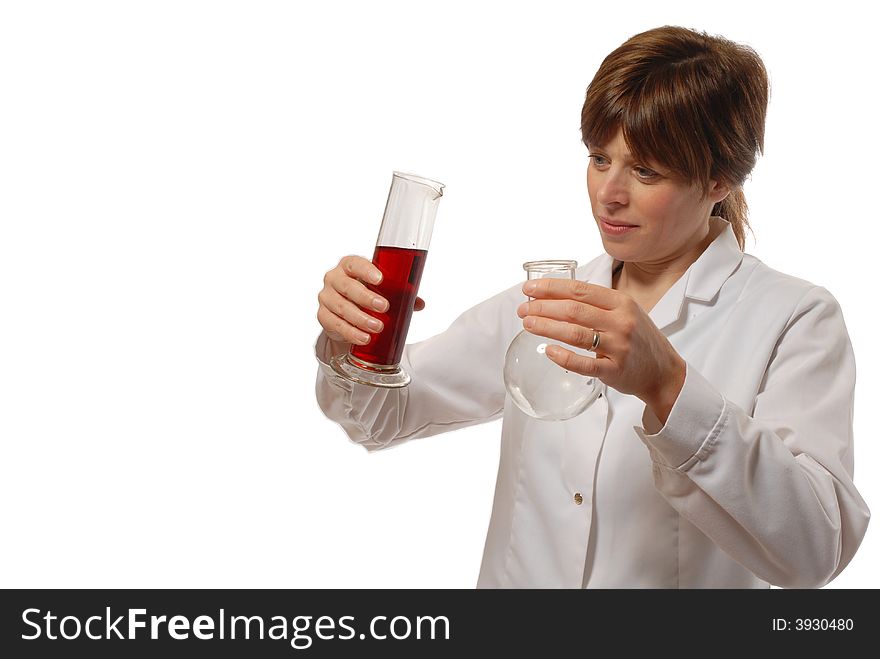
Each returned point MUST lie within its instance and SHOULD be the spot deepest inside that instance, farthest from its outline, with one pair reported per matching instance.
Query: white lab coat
(749, 483)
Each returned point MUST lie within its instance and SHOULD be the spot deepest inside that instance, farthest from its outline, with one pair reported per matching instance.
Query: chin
(616, 250)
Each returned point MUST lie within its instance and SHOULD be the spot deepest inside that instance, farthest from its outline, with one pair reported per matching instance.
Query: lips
(616, 223)
(615, 230)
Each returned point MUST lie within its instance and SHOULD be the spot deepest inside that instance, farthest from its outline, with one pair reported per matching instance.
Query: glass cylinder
(538, 385)
(400, 254)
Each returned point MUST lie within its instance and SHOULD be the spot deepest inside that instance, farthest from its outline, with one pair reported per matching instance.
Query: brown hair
(691, 102)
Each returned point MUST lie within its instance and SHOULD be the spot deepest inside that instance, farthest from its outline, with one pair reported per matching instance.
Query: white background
(175, 179)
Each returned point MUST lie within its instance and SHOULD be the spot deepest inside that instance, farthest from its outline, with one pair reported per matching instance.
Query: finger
(560, 289)
(570, 333)
(570, 361)
(355, 291)
(340, 330)
(571, 311)
(419, 305)
(348, 311)
(360, 268)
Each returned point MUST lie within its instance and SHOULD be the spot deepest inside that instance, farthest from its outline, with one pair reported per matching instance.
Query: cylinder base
(375, 375)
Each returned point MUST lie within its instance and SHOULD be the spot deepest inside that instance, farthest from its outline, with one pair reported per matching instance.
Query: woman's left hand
(633, 356)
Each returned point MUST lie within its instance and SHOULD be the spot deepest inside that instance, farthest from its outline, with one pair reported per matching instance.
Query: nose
(612, 187)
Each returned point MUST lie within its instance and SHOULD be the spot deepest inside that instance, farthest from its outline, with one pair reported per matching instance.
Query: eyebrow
(627, 157)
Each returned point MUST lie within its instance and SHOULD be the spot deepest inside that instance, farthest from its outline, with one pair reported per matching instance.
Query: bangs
(664, 113)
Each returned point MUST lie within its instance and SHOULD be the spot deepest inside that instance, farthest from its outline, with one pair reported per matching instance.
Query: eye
(598, 160)
(645, 173)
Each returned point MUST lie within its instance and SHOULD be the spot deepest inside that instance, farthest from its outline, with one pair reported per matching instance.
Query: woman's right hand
(345, 301)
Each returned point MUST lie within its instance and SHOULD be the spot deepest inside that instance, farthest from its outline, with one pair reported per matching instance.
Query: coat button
(578, 498)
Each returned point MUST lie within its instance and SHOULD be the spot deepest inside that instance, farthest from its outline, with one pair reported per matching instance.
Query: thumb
(419, 305)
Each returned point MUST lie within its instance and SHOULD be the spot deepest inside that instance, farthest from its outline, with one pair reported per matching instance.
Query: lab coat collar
(701, 282)
(720, 259)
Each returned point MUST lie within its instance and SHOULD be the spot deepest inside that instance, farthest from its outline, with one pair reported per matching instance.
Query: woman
(721, 455)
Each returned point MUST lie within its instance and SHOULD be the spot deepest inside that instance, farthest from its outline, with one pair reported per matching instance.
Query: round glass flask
(538, 385)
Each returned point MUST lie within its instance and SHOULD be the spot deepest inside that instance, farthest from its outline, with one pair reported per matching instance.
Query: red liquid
(401, 273)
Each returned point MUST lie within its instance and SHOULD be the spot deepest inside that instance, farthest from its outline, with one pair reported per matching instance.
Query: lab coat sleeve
(456, 380)
(774, 489)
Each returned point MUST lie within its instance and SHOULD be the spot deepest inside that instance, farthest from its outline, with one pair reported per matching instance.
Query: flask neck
(556, 269)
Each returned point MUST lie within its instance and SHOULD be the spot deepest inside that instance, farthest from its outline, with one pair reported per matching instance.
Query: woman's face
(668, 218)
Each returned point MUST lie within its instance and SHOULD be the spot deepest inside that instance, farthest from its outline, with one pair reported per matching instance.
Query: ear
(718, 191)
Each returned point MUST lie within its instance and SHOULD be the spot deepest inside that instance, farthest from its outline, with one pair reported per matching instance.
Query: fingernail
(521, 310)
(362, 339)
(529, 322)
(374, 325)
(375, 277)
(529, 287)
(379, 304)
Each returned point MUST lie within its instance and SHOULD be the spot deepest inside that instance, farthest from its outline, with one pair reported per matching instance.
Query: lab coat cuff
(348, 402)
(323, 353)
(694, 423)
